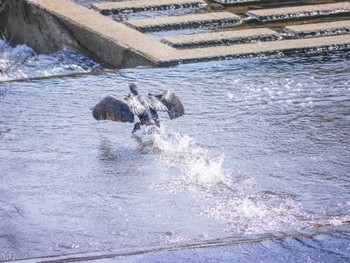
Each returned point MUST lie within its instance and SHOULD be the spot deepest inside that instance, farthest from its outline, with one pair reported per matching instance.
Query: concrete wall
(32, 23)
(24, 23)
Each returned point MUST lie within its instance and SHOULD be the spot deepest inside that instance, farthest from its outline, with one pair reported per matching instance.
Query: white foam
(196, 164)
(218, 194)
(254, 214)
(20, 62)
(12, 58)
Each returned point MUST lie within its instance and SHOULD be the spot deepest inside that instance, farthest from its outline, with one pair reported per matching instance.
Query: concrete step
(232, 2)
(64, 24)
(145, 5)
(319, 29)
(222, 38)
(220, 19)
(286, 47)
(251, 2)
(299, 12)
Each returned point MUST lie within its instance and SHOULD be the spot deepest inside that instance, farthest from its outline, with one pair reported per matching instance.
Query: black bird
(145, 107)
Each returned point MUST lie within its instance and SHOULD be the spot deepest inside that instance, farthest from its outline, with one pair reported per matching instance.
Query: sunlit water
(261, 154)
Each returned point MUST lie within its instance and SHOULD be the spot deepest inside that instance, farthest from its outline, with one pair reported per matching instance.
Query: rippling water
(262, 154)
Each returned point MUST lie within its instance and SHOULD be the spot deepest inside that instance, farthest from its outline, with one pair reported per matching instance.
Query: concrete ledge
(222, 38)
(300, 11)
(285, 47)
(232, 2)
(221, 19)
(145, 5)
(319, 29)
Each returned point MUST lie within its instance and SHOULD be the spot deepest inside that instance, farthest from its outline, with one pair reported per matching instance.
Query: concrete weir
(232, 2)
(286, 47)
(49, 26)
(220, 19)
(319, 29)
(222, 38)
(297, 12)
(145, 5)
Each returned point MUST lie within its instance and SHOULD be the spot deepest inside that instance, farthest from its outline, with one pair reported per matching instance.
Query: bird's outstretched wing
(172, 102)
(153, 102)
(114, 109)
(135, 105)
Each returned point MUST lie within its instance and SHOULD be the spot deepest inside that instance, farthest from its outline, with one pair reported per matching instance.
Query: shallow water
(262, 152)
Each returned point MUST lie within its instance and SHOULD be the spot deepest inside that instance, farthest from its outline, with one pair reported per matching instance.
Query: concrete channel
(49, 26)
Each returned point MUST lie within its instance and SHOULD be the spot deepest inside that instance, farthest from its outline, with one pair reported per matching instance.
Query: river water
(261, 155)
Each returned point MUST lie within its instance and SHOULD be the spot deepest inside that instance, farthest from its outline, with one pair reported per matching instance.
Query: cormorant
(145, 107)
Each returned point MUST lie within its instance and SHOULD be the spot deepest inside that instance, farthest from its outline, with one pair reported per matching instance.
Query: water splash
(254, 213)
(197, 166)
(13, 58)
(219, 194)
(21, 62)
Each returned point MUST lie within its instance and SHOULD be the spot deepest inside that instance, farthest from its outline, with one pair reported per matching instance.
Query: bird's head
(133, 89)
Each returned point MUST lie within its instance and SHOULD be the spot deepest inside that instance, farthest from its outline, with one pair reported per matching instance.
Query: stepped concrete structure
(110, 34)
(329, 28)
(219, 19)
(222, 38)
(290, 47)
(145, 5)
(298, 12)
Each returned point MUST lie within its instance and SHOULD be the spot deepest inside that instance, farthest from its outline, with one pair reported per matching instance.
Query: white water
(21, 62)
(218, 192)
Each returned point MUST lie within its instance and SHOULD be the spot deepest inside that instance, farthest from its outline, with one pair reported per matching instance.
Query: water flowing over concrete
(49, 26)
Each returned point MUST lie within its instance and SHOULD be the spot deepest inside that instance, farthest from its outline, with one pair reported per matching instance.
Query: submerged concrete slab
(285, 47)
(296, 12)
(145, 5)
(220, 19)
(222, 38)
(319, 29)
